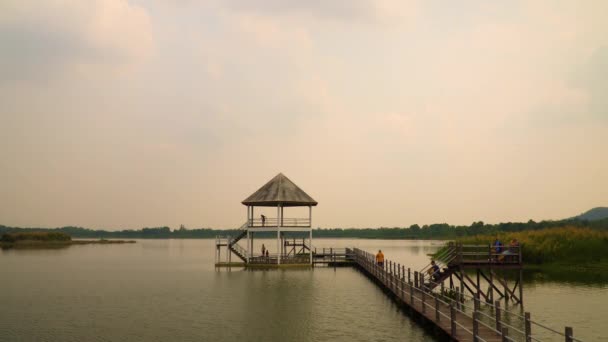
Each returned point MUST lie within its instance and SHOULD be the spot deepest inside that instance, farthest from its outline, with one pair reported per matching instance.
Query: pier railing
(272, 258)
(472, 320)
(456, 253)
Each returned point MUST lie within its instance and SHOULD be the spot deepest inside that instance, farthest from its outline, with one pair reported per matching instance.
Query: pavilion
(293, 234)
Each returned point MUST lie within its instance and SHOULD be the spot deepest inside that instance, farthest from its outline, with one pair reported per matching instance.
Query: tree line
(427, 232)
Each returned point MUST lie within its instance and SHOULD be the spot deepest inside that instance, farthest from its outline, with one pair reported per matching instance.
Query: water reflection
(159, 290)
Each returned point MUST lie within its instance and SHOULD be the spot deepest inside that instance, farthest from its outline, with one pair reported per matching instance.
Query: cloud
(593, 78)
(45, 37)
(379, 11)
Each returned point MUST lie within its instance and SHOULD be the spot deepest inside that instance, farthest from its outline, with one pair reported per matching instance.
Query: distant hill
(594, 214)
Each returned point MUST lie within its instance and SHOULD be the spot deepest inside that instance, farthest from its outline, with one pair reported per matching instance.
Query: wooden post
(461, 296)
(422, 293)
(409, 277)
(491, 285)
(569, 334)
(528, 327)
(453, 319)
(411, 294)
(416, 279)
(506, 289)
(437, 315)
(505, 334)
(478, 283)
(476, 304)
(497, 315)
(521, 285)
(475, 326)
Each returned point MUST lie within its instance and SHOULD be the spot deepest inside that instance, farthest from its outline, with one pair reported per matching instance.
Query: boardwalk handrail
(444, 257)
(393, 276)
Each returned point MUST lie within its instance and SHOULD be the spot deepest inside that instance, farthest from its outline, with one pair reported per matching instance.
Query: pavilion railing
(285, 222)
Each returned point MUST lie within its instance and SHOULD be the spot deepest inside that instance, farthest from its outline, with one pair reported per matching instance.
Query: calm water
(160, 290)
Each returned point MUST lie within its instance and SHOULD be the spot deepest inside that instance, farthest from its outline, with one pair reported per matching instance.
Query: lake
(160, 290)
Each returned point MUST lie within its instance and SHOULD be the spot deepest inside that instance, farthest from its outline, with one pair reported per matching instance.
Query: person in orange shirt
(380, 258)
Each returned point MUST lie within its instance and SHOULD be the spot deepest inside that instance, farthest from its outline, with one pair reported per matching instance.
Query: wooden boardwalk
(454, 323)
(457, 321)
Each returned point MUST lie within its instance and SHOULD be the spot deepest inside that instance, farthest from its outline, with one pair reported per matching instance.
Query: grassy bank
(566, 245)
(25, 240)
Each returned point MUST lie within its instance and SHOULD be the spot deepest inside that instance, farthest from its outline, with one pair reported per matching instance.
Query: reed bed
(554, 245)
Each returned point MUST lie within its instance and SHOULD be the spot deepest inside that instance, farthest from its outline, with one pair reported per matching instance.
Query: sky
(122, 114)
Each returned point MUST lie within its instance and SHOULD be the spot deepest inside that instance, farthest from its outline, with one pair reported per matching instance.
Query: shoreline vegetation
(45, 240)
(556, 251)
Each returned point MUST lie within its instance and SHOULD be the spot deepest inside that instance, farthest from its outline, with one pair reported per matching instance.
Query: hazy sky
(123, 114)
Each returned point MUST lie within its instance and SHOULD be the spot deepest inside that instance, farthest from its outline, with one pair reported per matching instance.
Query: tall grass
(554, 245)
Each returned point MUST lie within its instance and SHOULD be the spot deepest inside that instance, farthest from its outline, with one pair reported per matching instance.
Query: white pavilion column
(310, 216)
(278, 235)
(310, 226)
(251, 222)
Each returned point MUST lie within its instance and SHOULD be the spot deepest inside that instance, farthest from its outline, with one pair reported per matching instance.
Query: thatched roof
(279, 191)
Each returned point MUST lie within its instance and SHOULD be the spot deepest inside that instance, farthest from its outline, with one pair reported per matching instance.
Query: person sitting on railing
(380, 258)
(511, 253)
(434, 271)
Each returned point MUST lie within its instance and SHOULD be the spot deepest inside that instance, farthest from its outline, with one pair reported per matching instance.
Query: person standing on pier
(263, 220)
(380, 258)
(263, 250)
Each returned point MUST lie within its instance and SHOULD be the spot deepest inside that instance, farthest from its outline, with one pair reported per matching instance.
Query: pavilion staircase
(235, 247)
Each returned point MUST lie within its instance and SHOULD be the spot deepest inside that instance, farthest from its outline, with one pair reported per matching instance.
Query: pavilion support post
(310, 218)
(310, 244)
(278, 247)
(248, 251)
